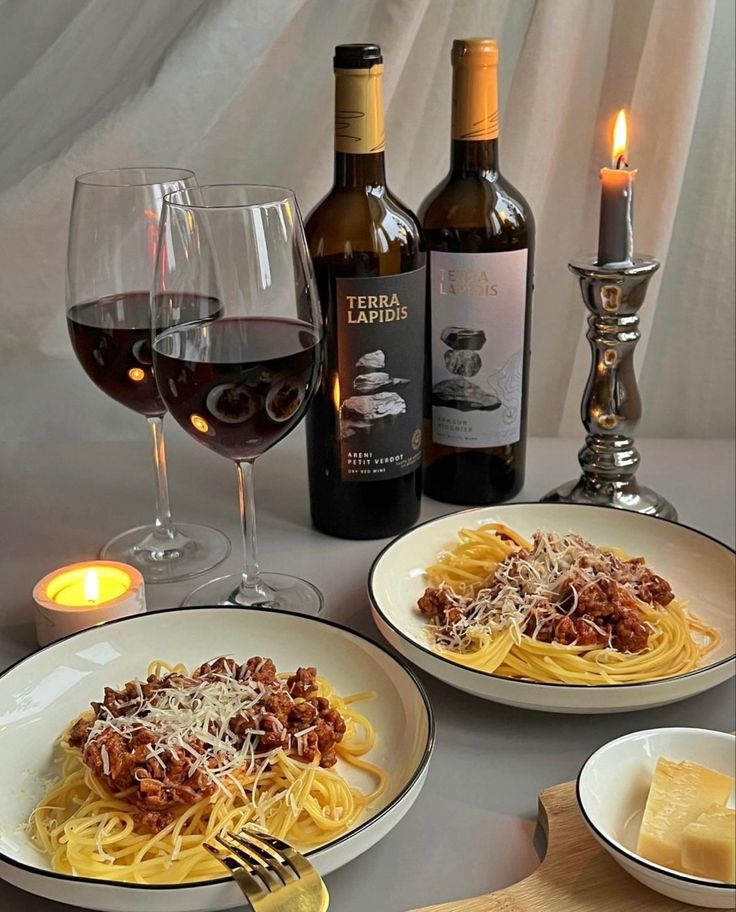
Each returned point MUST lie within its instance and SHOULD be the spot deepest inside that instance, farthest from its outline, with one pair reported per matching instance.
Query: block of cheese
(679, 794)
(709, 845)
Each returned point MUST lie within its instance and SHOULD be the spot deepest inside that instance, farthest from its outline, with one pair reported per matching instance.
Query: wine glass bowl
(239, 385)
(112, 248)
(241, 382)
(111, 339)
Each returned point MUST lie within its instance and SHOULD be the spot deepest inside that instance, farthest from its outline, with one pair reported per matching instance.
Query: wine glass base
(285, 593)
(194, 549)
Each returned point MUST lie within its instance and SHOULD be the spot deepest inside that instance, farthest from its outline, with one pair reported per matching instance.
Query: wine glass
(242, 382)
(112, 249)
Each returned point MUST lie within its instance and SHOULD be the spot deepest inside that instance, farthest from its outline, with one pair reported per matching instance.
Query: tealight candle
(84, 595)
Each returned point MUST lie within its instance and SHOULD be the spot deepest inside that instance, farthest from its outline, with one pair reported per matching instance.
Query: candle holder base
(622, 496)
(613, 293)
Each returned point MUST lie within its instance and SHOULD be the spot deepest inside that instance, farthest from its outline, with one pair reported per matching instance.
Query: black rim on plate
(627, 853)
(486, 674)
(416, 775)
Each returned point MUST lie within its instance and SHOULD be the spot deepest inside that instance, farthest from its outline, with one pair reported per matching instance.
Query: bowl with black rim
(700, 569)
(43, 693)
(612, 790)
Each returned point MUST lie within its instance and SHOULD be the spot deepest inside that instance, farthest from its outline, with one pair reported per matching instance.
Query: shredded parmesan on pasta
(510, 607)
(199, 712)
(88, 831)
(528, 585)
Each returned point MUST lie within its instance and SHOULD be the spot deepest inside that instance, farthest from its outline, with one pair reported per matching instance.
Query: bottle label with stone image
(378, 387)
(478, 303)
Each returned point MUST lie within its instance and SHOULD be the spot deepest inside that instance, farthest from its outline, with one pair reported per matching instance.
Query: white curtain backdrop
(241, 90)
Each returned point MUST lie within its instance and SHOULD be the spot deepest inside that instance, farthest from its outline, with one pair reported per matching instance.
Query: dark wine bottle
(479, 232)
(364, 427)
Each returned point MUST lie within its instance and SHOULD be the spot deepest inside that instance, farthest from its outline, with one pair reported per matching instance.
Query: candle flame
(619, 140)
(336, 393)
(91, 586)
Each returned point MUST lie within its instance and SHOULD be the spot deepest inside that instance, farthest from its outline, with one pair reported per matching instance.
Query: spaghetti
(162, 766)
(558, 610)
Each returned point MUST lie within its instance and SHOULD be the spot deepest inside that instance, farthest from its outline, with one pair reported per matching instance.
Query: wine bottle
(479, 233)
(364, 428)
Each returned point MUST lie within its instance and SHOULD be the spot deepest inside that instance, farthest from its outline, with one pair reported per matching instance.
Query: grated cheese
(194, 718)
(532, 587)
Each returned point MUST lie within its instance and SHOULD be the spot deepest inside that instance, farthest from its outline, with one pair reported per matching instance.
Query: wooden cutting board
(576, 875)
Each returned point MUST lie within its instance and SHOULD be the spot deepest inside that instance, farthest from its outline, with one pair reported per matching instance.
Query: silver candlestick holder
(611, 406)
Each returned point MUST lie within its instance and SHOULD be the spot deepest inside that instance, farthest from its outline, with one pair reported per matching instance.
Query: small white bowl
(612, 790)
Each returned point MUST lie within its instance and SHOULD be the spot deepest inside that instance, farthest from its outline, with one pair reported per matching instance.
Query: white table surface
(472, 828)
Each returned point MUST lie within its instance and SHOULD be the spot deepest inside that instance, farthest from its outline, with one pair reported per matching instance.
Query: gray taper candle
(616, 232)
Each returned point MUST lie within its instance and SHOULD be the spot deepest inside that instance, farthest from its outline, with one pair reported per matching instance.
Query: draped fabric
(241, 90)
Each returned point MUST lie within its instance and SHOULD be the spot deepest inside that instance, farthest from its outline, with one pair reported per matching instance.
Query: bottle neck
(360, 170)
(471, 158)
(359, 142)
(475, 117)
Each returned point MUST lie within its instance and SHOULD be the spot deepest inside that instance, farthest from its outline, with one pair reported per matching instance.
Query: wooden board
(576, 875)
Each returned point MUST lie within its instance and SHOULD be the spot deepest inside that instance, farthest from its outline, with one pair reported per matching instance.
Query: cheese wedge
(679, 794)
(709, 845)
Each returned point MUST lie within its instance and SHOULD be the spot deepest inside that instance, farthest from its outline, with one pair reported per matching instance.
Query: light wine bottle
(364, 428)
(479, 232)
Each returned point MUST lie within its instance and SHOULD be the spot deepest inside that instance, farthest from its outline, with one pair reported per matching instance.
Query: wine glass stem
(251, 591)
(163, 524)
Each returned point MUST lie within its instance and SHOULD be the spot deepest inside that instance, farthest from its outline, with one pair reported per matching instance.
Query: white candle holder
(55, 620)
(611, 406)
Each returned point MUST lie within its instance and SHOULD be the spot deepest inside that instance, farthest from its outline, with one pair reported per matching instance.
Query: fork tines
(263, 856)
(271, 874)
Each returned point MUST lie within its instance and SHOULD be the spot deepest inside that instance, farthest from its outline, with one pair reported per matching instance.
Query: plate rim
(415, 777)
(494, 677)
(620, 849)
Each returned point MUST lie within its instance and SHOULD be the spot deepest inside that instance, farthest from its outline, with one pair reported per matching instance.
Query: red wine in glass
(238, 385)
(111, 337)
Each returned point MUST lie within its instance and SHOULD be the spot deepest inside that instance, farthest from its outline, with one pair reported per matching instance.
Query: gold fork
(273, 876)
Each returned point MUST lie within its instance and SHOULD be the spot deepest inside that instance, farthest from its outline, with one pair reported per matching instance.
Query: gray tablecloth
(471, 830)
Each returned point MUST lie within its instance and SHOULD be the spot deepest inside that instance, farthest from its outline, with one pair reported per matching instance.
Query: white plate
(42, 693)
(613, 815)
(700, 570)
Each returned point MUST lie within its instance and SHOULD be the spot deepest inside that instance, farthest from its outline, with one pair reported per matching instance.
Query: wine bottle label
(380, 374)
(359, 110)
(478, 303)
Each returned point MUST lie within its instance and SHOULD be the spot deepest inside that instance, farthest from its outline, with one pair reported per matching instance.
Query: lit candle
(87, 587)
(616, 233)
(84, 595)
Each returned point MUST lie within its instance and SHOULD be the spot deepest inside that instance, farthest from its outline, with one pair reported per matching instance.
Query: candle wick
(621, 162)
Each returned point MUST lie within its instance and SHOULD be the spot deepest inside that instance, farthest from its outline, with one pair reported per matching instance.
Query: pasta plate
(699, 568)
(43, 693)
